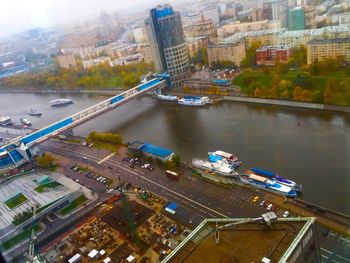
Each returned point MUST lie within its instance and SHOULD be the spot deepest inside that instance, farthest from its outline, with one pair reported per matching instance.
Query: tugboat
(60, 102)
(194, 101)
(167, 97)
(34, 112)
(5, 120)
(25, 122)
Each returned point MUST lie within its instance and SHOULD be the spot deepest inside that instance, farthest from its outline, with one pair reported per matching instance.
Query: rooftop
(277, 47)
(246, 242)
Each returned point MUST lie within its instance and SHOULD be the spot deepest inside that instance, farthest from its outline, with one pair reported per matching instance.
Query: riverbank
(287, 103)
(296, 104)
(107, 92)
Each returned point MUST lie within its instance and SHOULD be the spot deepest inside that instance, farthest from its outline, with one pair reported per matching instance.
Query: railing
(86, 114)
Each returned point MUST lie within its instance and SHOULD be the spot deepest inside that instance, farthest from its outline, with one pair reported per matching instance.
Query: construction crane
(33, 255)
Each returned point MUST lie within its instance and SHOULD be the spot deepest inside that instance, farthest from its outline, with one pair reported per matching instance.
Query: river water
(310, 147)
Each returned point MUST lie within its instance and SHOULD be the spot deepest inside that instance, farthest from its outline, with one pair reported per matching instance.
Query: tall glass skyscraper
(169, 51)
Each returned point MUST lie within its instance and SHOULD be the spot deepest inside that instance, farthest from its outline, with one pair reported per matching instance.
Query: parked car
(255, 199)
(269, 207)
(262, 203)
(285, 214)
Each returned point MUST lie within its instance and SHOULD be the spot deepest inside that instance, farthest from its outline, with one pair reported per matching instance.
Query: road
(196, 199)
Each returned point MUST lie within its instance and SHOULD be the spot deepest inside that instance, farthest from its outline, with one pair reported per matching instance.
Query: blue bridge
(17, 152)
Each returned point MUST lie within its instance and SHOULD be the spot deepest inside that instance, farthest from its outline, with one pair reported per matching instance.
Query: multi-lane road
(196, 199)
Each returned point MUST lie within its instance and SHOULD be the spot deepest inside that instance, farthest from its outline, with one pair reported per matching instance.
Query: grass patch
(73, 205)
(20, 237)
(16, 200)
(107, 141)
(256, 83)
(42, 188)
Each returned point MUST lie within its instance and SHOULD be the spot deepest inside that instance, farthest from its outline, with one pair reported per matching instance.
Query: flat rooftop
(247, 242)
(26, 186)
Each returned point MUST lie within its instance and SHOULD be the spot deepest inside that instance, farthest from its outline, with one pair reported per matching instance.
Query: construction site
(126, 228)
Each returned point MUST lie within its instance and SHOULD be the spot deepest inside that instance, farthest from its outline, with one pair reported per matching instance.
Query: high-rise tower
(166, 37)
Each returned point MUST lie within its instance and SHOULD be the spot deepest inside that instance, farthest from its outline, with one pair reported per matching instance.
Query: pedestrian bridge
(17, 151)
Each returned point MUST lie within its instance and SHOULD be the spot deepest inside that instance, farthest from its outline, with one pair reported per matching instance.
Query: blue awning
(214, 158)
(171, 208)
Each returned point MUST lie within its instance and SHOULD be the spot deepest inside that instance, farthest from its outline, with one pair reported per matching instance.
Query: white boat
(34, 112)
(229, 157)
(194, 101)
(220, 168)
(167, 97)
(267, 184)
(5, 120)
(59, 102)
(26, 122)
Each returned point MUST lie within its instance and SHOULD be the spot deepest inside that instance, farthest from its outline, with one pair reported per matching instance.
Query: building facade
(195, 44)
(269, 55)
(96, 61)
(276, 10)
(168, 46)
(140, 35)
(334, 48)
(234, 28)
(234, 52)
(204, 28)
(296, 19)
(67, 61)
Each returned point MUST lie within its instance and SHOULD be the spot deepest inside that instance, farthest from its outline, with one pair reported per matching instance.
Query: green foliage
(250, 59)
(42, 188)
(331, 85)
(101, 76)
(223, 64)
(298, 57)
(201, 57)
(303, 79)
(176, 159)
(16, 200)
(73, 205)
(109, 141)
(20, 237)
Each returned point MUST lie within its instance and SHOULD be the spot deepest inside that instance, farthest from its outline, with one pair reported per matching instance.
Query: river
(309, 146)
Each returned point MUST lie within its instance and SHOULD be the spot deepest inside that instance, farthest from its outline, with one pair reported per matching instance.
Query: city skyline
(19, 15)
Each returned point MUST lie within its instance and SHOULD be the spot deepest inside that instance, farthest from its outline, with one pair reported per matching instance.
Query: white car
(285, 214)
(269, 207)
(84, 158)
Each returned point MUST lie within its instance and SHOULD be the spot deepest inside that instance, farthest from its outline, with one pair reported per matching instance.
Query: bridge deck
(77, 118)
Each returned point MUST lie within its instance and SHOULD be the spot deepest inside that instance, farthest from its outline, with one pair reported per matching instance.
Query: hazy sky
(19, 15)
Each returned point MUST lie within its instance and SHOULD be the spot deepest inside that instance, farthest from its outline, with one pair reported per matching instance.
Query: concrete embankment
(287, 103)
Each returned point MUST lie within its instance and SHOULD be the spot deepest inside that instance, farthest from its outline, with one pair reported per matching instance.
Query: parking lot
(82, 178)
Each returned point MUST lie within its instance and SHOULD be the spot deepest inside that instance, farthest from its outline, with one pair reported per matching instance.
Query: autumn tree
(250, 58)
(45, 161)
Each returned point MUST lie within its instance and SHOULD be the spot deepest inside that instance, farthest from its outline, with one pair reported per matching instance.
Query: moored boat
(278, 178)
(194, 101)
(34, 112)
(26, 122)
(229, 157)
(219, 168)
(5, 120)
(60, 102)
(267, 184)
(167, 97)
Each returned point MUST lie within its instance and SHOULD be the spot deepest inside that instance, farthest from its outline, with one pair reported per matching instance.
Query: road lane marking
(106, 158)
(147, 179)
(347, 260)
(324, 256)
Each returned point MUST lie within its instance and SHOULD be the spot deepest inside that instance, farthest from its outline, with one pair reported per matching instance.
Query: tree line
(101, 76)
